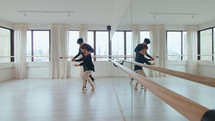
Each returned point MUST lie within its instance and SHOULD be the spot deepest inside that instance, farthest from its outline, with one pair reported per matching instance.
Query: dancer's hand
(73, 59)
(76, 64)
(153, 63)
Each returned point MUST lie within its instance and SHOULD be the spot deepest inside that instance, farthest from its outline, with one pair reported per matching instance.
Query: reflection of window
(73, 45)
(206, 44)
(5, 45)
(118, 43)
(175, 45)
(38, 46)
(143, 35)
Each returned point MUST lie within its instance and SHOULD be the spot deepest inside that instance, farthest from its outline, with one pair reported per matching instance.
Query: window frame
(109, 41)
(94, 43)
(11, 43)
(32, 43)
(182, 48)
(199, 42)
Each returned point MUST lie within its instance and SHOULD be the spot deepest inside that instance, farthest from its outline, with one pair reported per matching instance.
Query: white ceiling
(101, 11)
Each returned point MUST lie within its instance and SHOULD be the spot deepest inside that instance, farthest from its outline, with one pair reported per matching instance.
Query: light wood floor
(114, 100)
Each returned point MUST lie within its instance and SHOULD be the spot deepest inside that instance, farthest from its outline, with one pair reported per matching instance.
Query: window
(90, 38)
(184, 46)
(90, 41)
(102, 44)
(38, 45)
(29, 46)
(129, 44)
(206, 44)
(6, 45)
(73, 46)
(175, 45)
(118, 43)
(143, 35)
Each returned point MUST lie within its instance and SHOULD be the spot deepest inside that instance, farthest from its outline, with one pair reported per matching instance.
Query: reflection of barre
(25, 56)
(196, 78)
(188, 108)
(7, 56)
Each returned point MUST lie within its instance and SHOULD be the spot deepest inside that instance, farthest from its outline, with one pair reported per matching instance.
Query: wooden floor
(114, 100)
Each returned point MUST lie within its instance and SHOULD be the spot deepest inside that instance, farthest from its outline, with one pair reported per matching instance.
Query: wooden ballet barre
(103, 56)
(188, 108)
(192, 77)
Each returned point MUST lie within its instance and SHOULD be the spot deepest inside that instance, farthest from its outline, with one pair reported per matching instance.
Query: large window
(73, 46)
(176, 45)
(38, 46)
(6, 45)
(206, 45)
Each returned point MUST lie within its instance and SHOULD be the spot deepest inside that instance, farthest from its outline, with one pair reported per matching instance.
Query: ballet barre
(192, 77)
(103, 56)
(188, 108)
(107, 56)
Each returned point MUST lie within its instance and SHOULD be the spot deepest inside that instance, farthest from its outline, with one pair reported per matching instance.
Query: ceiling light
(28, 11)
(24, 14)
(68, 15)
(178, 14)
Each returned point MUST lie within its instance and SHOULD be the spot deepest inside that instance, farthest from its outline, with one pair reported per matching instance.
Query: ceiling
(169, 12)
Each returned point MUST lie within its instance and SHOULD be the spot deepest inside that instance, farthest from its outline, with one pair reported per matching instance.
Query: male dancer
(87, 65)
(138, 48)
(140, 58)
(91, 50)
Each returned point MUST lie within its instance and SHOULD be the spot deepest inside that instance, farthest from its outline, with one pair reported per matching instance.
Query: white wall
(5, 24)
(206, 68)
(207, 25)
(6, 71)
(177, 65)
(38, 70)
(102, 69)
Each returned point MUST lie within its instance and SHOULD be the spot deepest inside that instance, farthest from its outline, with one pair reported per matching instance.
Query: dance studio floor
(113, 100)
